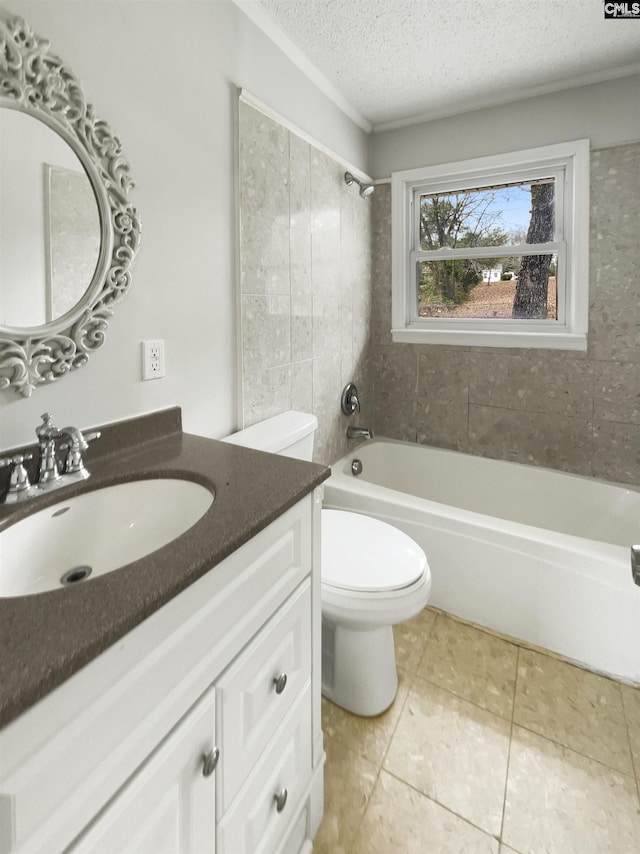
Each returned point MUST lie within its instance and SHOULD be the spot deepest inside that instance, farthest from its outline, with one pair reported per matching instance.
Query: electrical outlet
(153, 359)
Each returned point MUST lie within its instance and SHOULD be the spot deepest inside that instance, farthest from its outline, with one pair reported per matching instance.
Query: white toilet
(373, 576)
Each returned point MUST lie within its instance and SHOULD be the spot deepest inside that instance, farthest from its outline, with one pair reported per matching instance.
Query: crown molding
(471, 105)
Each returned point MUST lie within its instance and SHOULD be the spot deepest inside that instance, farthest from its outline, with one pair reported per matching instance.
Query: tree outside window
(493, 251)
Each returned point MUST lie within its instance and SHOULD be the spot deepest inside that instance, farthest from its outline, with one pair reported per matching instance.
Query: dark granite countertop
(47, 637)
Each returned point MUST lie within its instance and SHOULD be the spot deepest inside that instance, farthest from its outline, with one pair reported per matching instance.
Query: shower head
(365, 189)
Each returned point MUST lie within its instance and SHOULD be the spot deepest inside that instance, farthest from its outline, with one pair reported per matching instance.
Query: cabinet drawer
(251, 705)
(253, 825)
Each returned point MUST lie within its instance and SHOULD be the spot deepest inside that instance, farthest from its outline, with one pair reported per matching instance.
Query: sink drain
(78, 573)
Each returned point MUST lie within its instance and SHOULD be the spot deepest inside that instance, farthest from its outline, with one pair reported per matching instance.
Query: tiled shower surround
(316, 312)
(578, 412)
(306, 282)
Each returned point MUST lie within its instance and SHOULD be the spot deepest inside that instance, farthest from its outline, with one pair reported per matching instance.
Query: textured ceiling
(397, 59)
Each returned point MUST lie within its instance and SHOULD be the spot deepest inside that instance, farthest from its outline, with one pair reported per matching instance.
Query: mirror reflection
(49, 223)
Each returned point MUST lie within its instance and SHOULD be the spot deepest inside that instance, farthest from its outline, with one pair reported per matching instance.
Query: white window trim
(569, 160)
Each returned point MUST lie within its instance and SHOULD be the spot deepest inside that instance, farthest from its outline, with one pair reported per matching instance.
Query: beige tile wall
(305, 266)
(316, 308)
(578, 412)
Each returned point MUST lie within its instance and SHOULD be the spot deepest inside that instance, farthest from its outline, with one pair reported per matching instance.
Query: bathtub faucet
(359, 433)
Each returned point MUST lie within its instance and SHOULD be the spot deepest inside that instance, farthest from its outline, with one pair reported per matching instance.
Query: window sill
(475, 338)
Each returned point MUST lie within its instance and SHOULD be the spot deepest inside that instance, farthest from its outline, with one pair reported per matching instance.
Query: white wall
(606, 113)
(163, 74)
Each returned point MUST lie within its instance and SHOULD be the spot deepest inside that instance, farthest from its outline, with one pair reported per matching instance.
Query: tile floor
(489, 747)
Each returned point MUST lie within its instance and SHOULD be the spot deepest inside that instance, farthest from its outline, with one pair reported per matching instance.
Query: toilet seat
(365, 555)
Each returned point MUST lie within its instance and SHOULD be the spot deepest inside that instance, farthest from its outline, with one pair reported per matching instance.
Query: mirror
(49, 223)
(68, 234)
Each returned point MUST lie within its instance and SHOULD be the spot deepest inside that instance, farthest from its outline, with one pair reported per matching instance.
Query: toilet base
(359, 668)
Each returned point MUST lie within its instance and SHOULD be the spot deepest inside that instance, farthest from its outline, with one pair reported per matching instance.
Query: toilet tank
(290, 434)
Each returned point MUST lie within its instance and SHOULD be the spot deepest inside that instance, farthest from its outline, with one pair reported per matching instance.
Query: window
(494, 251)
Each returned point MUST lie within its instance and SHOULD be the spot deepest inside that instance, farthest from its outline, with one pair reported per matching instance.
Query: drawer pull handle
(281, 799)
(209, 761)
(280, 682)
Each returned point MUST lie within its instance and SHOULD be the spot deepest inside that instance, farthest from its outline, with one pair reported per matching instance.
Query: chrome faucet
(76, 444)
(359, 433)
(47, 434)
(48, 476)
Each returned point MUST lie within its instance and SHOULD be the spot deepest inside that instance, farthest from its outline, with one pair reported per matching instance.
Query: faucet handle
(349, 401)
(16, 460)
(19, 486)
(78, 441)
(74, 464)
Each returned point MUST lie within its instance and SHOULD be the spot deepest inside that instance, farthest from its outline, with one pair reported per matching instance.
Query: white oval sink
(97, 532)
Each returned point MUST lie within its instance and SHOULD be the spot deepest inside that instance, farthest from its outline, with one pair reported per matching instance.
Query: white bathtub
(537, 554)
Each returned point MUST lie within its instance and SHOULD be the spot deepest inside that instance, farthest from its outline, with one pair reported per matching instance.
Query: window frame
(569, 163)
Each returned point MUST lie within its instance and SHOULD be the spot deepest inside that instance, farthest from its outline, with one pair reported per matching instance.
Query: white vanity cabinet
(120, 758)
(166, 805)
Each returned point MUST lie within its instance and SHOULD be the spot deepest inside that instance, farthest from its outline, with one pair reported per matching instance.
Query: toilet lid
(361, 553)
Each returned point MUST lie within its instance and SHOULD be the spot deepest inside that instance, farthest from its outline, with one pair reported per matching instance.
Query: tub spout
(359, 433)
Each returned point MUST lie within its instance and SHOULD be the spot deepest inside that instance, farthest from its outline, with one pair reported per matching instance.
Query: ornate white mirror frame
(38, 83)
